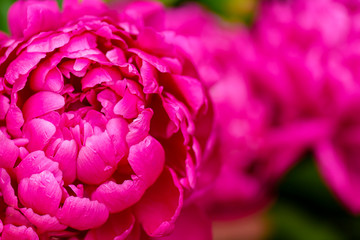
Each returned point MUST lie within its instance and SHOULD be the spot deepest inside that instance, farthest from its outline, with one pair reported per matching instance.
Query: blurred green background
(304, 209)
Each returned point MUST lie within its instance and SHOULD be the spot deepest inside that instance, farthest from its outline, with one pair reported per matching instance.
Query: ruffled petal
(38, 132)
(36, 17)
(22, 65)
(118, 197)
(140, 127)
(96, 161)
(117, 129)
(41, 103)
(43, 223)
(161, 205)
(147, 159)
(66, 157)
(7, 190)
(9, 152)
(40, 186)
(82, 213)
(11, 232)
(36, 162)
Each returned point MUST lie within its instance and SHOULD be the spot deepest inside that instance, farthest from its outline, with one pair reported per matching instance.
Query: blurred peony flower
(100, 122)
(310, 73)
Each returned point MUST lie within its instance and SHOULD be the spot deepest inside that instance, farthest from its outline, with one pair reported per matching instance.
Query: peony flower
(99, 115)
(310, 74)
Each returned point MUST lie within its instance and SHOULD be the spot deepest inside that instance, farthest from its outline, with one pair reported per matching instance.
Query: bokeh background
(304, 208)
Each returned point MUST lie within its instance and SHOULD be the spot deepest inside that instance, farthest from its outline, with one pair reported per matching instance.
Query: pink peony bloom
(99, 119)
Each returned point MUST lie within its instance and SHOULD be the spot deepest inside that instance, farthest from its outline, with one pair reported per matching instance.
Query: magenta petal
(341, 176)
(36, 16)
(42, 103)
(36, 162)
(43, 223)
(22, 65)
(49, 43)
(117, 128)
(147, 159)
(95, 76)
(6, 190)
(40, 186)
(118, 197)
(66, 155)
(4, 106)
(128, 105)
(1, 226)
(15, 217)
(192, 224)
(11, 232)
(192, 91)
(39, 132)
(161, 205)
(82, 213)
(96, 161)
(118, 227)
(9, 152)
(140, 127)
(14, 121)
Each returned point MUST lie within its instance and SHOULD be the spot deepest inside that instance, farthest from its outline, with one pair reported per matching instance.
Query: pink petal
(161, 205)
(147, 159)
(11, 232)
(15, 217)
(9, 152)
(95, 76)
(116, 56)
(96, 161)
(140, 127)
(76, 9)
(41, 103)
(118, 197)
(118, 227)
(80, 42)
(339, 175)
(48, 43)
(14, 121)
(66, 155)
(153, 60)
(36, 162)
(192, 224)
(43, 223)
(1, 226)
(40, 186)
(22, 65)
(128, 105)
(192, 91)
(36, 17)
(39, 132)
(82, 213)
(117, 128)
(7, 190)
(149, 78)
(4, 106)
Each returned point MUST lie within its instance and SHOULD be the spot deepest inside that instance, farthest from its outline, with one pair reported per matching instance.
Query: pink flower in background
(99, 117)
(309, 58)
